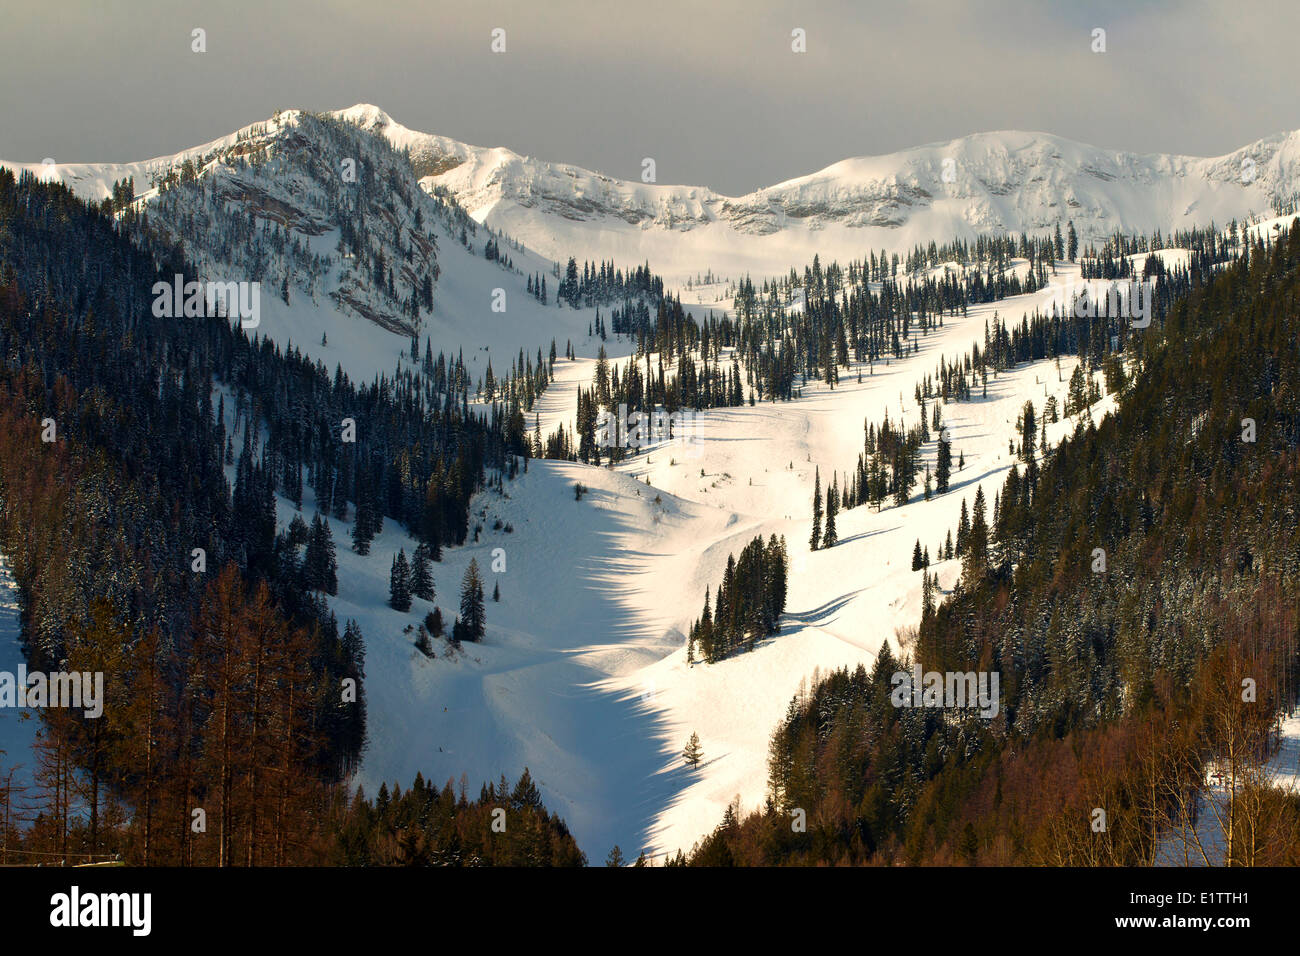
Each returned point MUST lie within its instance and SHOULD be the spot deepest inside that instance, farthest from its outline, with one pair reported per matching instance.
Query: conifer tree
(1076, 399)
(298, 534)
(399, 583)
(815, 541)
(1028, 432)
(433, 622)
(693, 752)
(943, 468)
(363, 527)
(705, 631)
(977, 541)
(472, 615)
(963, 528)
(830, 537)
(320, 565)
(421, 575)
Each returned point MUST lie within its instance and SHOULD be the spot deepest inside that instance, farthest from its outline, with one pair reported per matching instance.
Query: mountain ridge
(1000, 181)
(1005, 181)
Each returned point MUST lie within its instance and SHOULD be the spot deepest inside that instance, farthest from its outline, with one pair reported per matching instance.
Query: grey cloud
(711, 91)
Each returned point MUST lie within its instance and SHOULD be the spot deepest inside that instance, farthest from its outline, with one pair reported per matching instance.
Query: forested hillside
(145, 546)
(1138, 591)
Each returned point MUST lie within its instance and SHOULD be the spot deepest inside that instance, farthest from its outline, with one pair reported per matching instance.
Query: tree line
(749, 602)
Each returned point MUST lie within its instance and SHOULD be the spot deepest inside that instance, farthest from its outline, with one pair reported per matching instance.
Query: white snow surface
(582, 676)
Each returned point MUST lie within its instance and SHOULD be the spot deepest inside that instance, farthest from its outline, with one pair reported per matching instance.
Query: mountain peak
(365, 115)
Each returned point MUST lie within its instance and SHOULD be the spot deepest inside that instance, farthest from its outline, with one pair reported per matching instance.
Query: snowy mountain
(353, 257)
(583, 675)
(987, 183)
(307, 205)
(996, 182)
(302, 204)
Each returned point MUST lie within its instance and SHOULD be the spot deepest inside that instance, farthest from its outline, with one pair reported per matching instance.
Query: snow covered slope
(845, 602)
(994, 182)
(582, 675)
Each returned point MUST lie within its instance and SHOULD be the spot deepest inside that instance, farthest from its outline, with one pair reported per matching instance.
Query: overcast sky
(709, 88)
